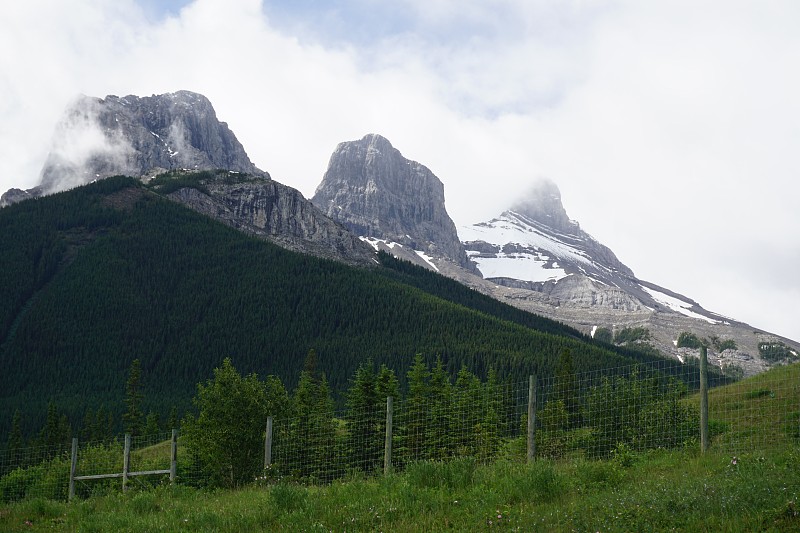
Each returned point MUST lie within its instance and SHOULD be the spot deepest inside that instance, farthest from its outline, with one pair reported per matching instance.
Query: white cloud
(671, 128)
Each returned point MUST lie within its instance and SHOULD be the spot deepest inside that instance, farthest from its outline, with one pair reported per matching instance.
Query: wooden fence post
(173, 465)
(73, 468)
(268, 444)
(531, 418)
(126, 462)
(387, 445)
(704, 438)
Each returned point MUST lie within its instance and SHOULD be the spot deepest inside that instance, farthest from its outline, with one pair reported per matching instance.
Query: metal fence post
(704, 440)
(531, 418)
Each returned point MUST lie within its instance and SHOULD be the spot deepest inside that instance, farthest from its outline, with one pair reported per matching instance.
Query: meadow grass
(656, 490)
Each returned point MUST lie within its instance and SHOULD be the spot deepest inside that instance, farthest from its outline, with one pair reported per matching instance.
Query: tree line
(88, 286)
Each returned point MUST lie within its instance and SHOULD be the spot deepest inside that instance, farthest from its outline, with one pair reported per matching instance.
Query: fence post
(173, 465)
(387, 445)
(703, 399)
(268, 444)
(73, 468)
(531, 418)
(126, 462)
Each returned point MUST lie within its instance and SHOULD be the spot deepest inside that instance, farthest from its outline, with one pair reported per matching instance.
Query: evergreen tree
(87, 426)
(132, 420)
(363, 419)
(103, 428)
(387, 385)
(466, 405)
(566, 389)
(312, 435)
(15, 438)
(440, 434)
(152, 424)
(172, 419)
(416, 416)
(494, 415)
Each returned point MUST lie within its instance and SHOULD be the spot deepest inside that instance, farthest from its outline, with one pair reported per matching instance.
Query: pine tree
(387, 385)
(440, 441)
(172, 419)
(87, 426)
(416, 416)
(152, 424)
(566, 388)
(15, 438)
(466, 404)
(312, 435)
(363, 419)
(132, 419)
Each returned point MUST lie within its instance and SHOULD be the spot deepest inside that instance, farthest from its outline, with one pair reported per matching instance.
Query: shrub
(776, 351)
(223, 441)
(690, 340)
(627, 335)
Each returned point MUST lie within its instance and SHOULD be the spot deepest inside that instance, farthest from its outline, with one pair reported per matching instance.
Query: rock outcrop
(136, 136)
(276, 212)
(379, 194)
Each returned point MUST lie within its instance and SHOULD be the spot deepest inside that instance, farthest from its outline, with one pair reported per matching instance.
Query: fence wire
(589, 415)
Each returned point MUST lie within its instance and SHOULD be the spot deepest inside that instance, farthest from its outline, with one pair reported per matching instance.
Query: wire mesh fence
(588, 415)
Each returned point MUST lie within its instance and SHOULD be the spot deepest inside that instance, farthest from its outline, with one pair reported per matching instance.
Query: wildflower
(734, 461)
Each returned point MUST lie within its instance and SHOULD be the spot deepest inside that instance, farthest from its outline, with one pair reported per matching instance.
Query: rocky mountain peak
(136, 136)
(543, 204)
(376, 192)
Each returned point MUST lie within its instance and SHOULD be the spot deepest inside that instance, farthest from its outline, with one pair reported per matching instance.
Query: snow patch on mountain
(677, 305)
(376, 243)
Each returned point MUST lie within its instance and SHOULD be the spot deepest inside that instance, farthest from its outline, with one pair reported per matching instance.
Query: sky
(672, 128)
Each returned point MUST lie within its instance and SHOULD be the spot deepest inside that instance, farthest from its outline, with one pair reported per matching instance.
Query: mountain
(535, 257)
(136, 136)
(532, 256)
(115, 271)
(392, 202)
(200, 164)
(267, 209)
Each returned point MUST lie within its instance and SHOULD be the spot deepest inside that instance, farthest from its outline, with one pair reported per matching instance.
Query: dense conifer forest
(97, 277)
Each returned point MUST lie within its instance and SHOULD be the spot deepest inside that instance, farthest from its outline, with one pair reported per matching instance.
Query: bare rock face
(276, 212)
(135, 136)
(379, 194)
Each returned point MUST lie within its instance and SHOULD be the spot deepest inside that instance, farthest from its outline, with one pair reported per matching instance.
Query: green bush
(628, 335)
(223, 441)
(604, 335)
(776, 351)
(690, 340)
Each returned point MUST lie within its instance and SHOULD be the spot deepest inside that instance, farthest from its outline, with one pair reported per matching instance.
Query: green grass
(659, 490)
(662, 490)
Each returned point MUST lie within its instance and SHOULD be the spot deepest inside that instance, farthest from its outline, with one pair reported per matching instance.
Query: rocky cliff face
(268, 209)
(135, 136)
(380, 195)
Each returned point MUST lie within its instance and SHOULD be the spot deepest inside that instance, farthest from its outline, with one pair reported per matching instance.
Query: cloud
(671, 128)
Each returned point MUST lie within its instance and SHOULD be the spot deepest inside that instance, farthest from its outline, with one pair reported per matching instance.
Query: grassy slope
(758, 490)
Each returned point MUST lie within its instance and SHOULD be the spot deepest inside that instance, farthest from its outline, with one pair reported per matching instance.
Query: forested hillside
(96, 277)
